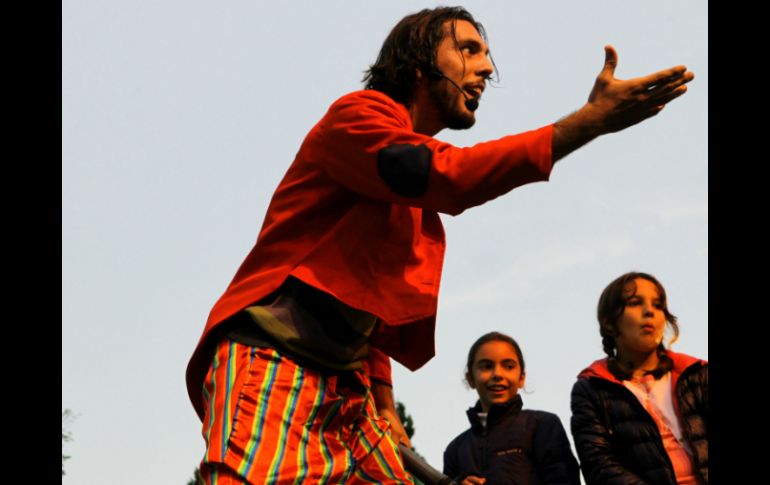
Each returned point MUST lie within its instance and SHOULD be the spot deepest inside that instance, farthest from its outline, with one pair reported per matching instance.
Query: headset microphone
(470, 103)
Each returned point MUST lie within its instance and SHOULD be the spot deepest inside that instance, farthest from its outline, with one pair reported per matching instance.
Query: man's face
(465, 62)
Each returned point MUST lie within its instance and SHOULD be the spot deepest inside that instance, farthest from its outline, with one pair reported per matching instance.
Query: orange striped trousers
(270, 420)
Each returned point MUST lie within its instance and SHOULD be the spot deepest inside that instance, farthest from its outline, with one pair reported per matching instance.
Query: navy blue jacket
(521, 447)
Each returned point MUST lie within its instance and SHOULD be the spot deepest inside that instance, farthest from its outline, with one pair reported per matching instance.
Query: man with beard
(291, 376)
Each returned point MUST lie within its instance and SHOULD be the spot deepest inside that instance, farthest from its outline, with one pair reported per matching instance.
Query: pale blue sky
(179, 119)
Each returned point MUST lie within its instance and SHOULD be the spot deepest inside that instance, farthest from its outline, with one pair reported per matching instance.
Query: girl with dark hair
(506, 444)
(640, 415)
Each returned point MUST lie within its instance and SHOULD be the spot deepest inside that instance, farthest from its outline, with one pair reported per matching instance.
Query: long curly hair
(412, 46)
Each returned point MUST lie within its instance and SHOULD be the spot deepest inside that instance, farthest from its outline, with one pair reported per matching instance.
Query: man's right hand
(615, 104)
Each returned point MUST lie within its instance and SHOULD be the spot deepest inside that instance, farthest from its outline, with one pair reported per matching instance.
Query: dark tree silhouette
(66, 418)
(196, 479)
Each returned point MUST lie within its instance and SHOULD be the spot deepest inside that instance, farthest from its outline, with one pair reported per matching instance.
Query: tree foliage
(196, 479)
(66, 418)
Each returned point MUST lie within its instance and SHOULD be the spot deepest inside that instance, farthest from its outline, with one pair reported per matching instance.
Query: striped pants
(269, 420)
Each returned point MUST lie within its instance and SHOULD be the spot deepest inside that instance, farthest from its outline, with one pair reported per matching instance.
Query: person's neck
(639, 362)
(424, 114)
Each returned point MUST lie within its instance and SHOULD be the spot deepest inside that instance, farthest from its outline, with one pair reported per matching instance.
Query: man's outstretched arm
(615, 104)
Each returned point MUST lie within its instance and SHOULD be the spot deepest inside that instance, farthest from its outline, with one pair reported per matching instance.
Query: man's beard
(451, 116)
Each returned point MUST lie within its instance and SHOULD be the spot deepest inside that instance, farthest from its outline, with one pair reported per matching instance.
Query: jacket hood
(600, 368)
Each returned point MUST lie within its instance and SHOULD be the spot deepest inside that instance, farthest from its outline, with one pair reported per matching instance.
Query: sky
(180, 118)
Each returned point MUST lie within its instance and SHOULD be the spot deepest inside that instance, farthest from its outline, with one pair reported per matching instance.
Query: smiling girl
(640, 414)
(505, 443)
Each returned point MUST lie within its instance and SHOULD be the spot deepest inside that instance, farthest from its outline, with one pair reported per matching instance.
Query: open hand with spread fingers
(615, 104)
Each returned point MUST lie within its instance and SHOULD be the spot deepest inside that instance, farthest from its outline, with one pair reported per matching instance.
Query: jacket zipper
(635, 403)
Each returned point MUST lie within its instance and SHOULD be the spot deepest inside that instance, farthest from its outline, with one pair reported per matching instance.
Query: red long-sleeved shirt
(337, 225)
